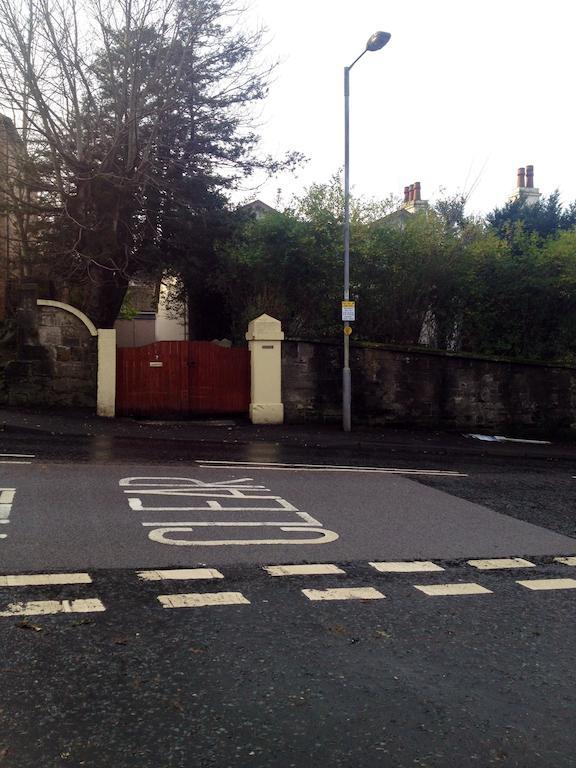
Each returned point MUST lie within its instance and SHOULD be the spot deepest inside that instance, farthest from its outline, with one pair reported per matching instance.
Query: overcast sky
(463, 95)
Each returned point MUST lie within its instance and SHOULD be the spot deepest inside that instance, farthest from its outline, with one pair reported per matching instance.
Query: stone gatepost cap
(265, 328)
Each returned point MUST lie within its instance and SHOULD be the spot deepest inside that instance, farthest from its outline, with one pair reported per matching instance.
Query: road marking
(351, 593)
(161, 535)
(44, 579)
(316, 569)
(548, 584)
(200, 600)
(500, 562)
(181, 573)
(45, 607)
(272, 465)
(219, 505)
(566, 560)
(10, 461)
(438, 590)
(6, 500)
(18, 455)
(416, 566)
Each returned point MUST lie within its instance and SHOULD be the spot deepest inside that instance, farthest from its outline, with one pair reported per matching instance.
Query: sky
(463, 94)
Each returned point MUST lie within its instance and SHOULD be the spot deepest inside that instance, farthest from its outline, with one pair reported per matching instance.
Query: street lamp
(376, 41)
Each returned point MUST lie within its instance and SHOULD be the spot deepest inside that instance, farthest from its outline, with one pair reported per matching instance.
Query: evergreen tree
(138, 127)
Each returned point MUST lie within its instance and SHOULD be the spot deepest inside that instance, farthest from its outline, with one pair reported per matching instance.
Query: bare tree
(125, 106)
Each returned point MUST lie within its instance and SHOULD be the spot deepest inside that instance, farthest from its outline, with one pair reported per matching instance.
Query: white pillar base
(267, 413)
(106, 399)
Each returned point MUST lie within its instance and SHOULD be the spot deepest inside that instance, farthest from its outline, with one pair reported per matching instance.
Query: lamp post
(377, 40)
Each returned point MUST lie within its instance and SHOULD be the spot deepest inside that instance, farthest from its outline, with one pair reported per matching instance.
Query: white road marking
(161, 535)
(6, 500)
(189, 483)
(229, 524)
(44, 579)
(210, 500)
(548, 584)
(4, 461)
(215, 506)
(350, 593)
(181, 573)
(566, 560)
(45, 607)
(438, 590)
(416, 566)
(249, 465)
(18, 455)
(200, 600)
(500, 562)
(316, 569)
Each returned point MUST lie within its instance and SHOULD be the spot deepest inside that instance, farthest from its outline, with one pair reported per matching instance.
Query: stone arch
(73, 311)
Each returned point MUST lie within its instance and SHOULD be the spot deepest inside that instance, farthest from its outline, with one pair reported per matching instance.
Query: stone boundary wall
(57, 360)
(427, 388)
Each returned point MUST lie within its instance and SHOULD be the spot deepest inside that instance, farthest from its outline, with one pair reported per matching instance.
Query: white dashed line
(439, 590)
(548, 584)
(566, 560)
(500, 563)
(46, 607)
(183, 574)
(202, 599)
(352, 593)
(416, 566)
(316, 569)
(44, 579)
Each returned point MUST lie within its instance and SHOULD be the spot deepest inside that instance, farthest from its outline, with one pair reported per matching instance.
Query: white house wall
(171, 318)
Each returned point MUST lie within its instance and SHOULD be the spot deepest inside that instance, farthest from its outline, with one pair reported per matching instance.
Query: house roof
(258, 208)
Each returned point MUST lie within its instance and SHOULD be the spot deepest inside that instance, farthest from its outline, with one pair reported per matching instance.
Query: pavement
(392, 439)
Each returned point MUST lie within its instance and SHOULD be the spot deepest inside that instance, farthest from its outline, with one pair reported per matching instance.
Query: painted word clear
(6, 500)
(229, 508)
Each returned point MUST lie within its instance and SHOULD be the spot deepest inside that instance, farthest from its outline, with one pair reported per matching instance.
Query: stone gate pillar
(265, 338)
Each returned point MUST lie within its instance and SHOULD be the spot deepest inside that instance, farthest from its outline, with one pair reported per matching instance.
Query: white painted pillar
(264, 338)
(106, 398)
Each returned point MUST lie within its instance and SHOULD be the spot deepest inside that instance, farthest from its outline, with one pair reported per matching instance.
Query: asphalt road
(107, 660)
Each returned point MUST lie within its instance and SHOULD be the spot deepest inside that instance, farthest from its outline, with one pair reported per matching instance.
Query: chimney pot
(406, 194)
(417, 190)
(521, 177)
(411, 193)
(530, 176)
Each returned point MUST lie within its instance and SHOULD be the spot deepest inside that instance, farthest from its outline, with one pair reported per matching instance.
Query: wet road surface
(444, 663)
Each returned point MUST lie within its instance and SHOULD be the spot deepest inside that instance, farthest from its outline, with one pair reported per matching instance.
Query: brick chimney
(521, 178)
(413, 198)
(525, 190)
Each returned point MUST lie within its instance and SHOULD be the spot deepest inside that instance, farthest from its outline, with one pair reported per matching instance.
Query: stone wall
(57, 359)
(427, 388)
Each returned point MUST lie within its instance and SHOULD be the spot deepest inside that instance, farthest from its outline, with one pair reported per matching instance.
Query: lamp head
(377, 40)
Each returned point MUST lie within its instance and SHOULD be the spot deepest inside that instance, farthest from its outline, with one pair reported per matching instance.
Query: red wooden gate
(177, 377)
